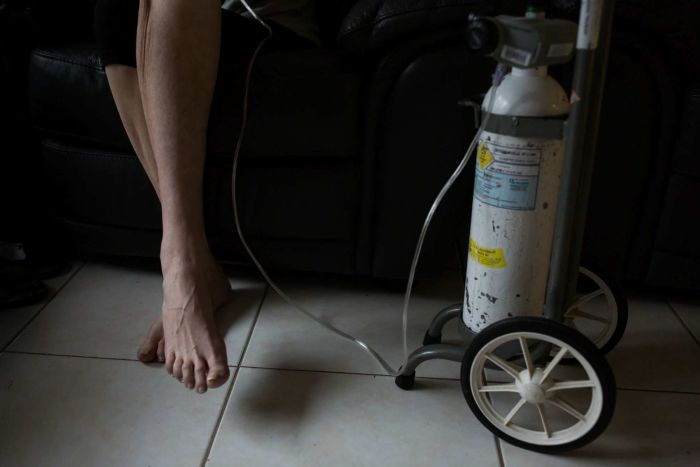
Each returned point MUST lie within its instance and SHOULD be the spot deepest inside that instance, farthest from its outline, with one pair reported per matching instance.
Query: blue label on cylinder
(507, 176)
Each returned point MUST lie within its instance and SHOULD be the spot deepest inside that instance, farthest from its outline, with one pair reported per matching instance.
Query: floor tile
(285, 339)
(106, 311)
(74, 412)
(13, 320)
(688, 308)
(656, 353)
(295, 418)
(648, 429)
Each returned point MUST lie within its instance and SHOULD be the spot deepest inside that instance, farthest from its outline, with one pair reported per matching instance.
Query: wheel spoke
(576, 313)
(564, 385)
(587, 298)
(509, 368)
(543, 419)
(526, 356)
(513, 412)
(566, 407)
(499, 388)
(551, 365)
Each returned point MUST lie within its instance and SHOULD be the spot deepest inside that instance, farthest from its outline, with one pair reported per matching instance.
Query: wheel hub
(531, 388)
(532, 393)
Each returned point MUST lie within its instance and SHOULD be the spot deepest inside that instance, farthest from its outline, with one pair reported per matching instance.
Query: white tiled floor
(115, 306)
(72, 394)
(287, 340)
(12, 321)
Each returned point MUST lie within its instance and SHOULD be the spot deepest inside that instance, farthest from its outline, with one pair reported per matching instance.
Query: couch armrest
(371, 25)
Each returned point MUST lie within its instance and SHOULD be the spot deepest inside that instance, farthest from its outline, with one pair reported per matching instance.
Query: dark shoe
(14, 293)
(31, 269)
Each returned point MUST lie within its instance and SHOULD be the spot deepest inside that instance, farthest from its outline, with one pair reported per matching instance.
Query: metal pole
(600, 68)
(595, 24)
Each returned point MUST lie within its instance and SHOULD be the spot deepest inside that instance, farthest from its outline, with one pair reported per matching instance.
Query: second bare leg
(123, 82)
(177, 60)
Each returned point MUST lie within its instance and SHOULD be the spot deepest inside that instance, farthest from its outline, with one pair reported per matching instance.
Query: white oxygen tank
(518, 169)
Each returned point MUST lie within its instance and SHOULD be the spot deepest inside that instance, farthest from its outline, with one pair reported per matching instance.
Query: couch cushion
(303, 103)
(291, 199)
(330, 15)
(374, 24)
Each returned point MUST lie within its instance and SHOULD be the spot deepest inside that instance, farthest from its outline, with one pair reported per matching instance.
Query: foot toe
(217, 375)
(161, 351)
(147, 353)
(177, 368)
(200, 376)
(169, 362)
(188, 374)
(149, 347)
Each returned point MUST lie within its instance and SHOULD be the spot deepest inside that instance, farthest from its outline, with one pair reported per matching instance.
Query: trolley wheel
(541, 406)
(599, 312)
(406, 382)
(430, 340)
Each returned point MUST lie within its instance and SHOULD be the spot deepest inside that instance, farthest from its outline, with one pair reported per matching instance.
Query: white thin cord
(374, 354)
(234, 177)
(429, 219)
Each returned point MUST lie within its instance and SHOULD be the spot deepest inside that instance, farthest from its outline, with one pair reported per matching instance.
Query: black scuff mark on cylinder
(493, 225)
(545, 205)
(491, 298)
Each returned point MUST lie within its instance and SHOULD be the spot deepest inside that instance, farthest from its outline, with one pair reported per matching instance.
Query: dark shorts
(116, 23)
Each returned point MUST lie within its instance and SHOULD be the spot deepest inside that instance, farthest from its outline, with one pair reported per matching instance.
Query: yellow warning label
(484, 156)
(488, 257)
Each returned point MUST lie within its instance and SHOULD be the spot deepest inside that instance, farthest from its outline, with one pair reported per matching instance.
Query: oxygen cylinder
(518, 169)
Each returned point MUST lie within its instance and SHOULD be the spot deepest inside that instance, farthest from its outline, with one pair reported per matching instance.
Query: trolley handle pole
(590, 67)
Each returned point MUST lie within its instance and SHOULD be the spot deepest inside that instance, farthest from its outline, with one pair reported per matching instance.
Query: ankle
(184, 249)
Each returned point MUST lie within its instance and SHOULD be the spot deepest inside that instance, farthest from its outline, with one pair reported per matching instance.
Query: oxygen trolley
(534, 324)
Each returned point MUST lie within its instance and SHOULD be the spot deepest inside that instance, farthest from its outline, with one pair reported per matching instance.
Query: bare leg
(124, 85)
(177, 60)
(123, 82)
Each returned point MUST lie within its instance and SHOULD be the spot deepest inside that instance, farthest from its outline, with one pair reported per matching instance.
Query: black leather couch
(348, 144)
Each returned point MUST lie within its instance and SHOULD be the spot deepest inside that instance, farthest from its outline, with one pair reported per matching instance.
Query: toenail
(201, 390)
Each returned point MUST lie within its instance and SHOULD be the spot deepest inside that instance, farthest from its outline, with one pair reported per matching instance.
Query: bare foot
(185, 337)
(153, 346)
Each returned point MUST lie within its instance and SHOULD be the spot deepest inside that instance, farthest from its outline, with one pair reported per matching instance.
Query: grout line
(43, 306)
(87, 357)
(349, 373)
(660, 391)
(249, 337)
(683, 323)
(219, 419)
(229, 392)
(236, 368)
(499, 451)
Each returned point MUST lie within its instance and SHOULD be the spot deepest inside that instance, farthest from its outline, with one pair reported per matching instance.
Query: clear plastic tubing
(419, 247)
